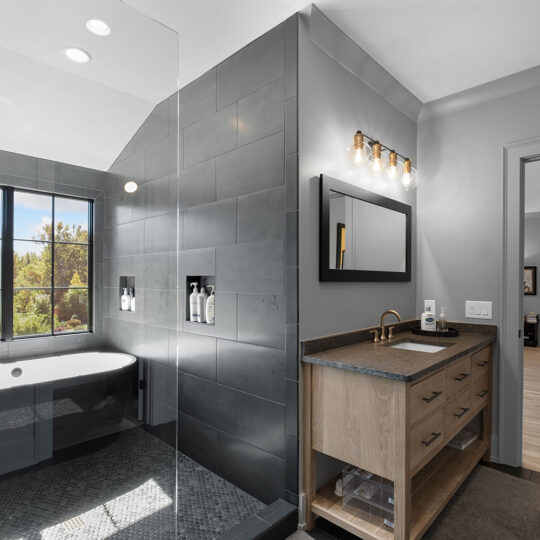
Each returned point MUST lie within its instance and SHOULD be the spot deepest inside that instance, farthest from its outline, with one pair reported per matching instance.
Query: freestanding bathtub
(57, 368)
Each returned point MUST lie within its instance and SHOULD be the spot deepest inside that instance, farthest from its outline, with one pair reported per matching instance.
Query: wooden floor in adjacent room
(531, 408)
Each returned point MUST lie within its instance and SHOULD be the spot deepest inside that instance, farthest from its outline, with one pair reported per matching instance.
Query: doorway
(531, 308)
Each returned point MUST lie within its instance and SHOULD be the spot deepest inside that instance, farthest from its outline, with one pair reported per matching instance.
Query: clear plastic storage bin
(369, 496)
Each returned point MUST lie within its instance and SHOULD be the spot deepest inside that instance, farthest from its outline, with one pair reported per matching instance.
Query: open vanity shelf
(396, 428)
(432, 488)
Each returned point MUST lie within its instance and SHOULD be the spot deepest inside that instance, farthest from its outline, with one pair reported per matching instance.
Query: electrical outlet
(429, 305)
(478, 309)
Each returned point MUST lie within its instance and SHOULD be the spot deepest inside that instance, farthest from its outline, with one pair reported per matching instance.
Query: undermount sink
(418, 347)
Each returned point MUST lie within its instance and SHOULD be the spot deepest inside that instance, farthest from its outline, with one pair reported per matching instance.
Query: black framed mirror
(363, 236)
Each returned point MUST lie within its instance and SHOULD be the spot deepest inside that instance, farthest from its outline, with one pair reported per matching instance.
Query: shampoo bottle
(211, 307)
(201, 305)
(125, 301)
(132, 299)
(193, 313)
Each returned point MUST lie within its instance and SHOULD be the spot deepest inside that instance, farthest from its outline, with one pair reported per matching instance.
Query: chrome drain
(73, 524)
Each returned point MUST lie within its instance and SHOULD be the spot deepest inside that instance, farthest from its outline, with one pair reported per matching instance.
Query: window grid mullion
(52, 266)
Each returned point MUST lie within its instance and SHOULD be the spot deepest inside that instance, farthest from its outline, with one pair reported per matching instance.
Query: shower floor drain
(73, 524)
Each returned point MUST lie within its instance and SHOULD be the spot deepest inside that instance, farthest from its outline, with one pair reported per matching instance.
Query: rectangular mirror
(364, 236)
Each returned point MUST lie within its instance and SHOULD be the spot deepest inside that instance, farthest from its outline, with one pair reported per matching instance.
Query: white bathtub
(56, 368)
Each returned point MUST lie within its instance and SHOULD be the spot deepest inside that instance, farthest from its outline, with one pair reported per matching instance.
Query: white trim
(511, 331)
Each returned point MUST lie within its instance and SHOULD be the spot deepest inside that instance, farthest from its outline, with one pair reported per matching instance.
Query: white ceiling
(86, 114)
(532, 188)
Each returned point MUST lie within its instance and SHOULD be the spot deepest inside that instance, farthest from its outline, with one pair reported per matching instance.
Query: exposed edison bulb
(376, 163)
(394, 169)
(359, 152)
(409, 180)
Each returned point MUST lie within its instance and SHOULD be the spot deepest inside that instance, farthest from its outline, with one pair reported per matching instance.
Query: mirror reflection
(365, 236)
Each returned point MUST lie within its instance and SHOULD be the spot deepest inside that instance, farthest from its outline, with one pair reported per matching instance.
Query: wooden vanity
(392, 412)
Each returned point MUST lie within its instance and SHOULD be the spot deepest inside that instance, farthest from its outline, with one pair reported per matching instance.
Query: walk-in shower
(122, 415)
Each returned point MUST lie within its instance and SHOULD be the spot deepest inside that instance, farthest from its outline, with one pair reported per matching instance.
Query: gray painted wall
(32, 444)
(460, 205)
(532, 257)
(333, 103)
(231, 212)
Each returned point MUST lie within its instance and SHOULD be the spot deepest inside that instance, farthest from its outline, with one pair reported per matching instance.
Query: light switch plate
(429, 305)
(475, 309)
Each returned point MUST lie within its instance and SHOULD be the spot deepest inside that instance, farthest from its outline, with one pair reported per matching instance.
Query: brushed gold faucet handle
(391, 332)
(375, 335)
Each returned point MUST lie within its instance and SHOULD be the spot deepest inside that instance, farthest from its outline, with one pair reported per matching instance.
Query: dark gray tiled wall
(236, 197)
(21, 171)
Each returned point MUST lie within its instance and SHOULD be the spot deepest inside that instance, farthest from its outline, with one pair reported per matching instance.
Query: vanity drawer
(426, 438)
(479, 393)
(458, 376)
(481, 363)
(427, 395)
(457, 413)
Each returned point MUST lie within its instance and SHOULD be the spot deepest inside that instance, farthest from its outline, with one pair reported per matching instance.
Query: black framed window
(46, 244)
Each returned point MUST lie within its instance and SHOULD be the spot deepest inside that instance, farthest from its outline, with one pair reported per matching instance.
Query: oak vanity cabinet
(398, 430)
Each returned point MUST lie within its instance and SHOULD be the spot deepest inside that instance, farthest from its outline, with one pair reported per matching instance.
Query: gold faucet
(388, 312)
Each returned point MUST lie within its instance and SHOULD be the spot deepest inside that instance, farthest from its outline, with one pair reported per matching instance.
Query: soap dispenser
(201, 305)
(443, 324)
(193, 313)
(211, 307)
(125, 301)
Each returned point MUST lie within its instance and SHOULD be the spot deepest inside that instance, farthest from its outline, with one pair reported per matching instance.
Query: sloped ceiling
(85, 114)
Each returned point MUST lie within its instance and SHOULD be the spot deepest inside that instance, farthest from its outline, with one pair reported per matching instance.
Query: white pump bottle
(193, 312)
(201, 305)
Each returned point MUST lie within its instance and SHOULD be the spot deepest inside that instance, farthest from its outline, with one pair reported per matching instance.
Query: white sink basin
(418, 347)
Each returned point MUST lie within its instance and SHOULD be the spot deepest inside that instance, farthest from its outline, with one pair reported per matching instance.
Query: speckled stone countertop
(380, 359)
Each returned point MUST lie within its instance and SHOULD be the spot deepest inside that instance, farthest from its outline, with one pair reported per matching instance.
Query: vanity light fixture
(396, 168)
(360, 151)
(98, 27)
(79, 56)
(130, 187)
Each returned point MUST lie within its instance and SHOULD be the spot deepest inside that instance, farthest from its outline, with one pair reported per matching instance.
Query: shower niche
(126, 294)
(193, 303)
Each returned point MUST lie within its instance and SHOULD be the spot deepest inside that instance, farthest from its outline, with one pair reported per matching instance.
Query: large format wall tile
(255, 267)
(210, 137)
(197, 99)
(210, 225)
(256, 65)
(197, 355)
(253, 369)
(261, 113)
(256, 166)
(197, 185)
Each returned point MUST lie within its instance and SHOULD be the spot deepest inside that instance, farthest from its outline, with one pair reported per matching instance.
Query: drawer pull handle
(483, 393)
(462, 377)
(434, 396)
(482, 364)
(462, 413)
(432, 440)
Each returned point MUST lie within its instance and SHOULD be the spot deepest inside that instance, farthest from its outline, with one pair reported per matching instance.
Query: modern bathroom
(262, 270)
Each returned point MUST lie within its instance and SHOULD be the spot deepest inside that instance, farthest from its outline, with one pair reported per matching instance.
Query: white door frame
(510, 439)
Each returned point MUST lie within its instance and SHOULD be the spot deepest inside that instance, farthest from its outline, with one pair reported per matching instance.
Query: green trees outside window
(51, 261)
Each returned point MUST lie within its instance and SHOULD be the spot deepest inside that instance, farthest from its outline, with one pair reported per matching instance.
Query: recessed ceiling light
(100, 28)
(130, 187)
(77, 55)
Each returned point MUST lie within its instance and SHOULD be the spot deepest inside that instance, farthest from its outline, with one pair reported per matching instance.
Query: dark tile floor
(328, 531)
(123, 490)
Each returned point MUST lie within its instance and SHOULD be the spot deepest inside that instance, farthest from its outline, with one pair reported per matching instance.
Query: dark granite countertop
(380, 359)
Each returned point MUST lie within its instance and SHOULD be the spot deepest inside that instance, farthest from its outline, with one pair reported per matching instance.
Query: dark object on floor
(530, 333)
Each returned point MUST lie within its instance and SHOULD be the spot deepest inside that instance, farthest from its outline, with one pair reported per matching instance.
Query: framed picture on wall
(529, 280)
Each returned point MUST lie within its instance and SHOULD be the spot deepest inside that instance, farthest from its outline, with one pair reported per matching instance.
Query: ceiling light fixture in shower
(79, 56)
(98, 27)
(130, 187)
